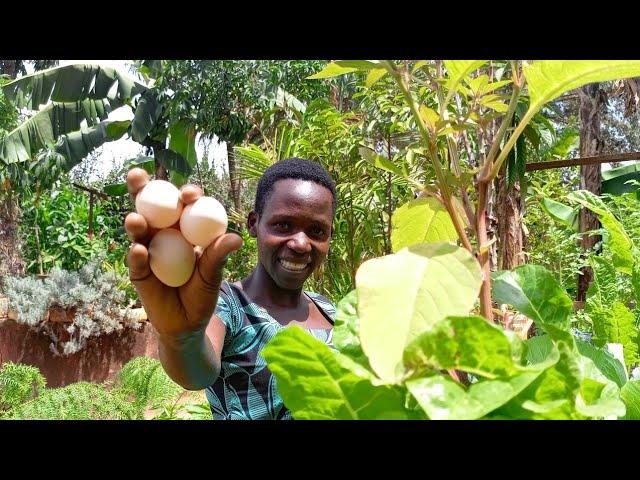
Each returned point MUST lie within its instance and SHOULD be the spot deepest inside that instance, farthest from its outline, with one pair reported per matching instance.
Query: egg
(171, 257)
(159, 203)
(203, 221)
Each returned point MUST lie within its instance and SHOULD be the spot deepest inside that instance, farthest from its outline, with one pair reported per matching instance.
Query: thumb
(208, 273)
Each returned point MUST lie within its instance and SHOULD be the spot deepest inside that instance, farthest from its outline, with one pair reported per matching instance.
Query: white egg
(159, 203)
(171, 257)
(203, 221)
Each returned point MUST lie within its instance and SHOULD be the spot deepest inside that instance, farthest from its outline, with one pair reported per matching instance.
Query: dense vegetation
(436, 210)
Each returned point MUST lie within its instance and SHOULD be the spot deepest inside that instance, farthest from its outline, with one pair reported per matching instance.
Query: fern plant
(144, 380)
(18, 384)
(78, 401)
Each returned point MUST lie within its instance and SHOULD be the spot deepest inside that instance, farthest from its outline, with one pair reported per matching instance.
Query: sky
(117, 152)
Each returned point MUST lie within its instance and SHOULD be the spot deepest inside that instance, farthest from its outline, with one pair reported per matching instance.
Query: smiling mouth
(292, 266)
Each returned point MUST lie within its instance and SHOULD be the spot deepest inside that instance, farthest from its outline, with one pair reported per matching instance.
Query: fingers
(159, 300)
(190, 193)
(136, 227)
(137, 178)
(138, 262)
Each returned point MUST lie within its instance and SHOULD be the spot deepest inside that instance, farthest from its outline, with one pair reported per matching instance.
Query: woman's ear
(252, 224)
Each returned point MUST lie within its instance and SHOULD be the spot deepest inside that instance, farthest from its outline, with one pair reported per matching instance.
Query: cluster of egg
(171, 252)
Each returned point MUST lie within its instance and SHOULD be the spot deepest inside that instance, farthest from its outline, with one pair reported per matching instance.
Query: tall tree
(229, 98)
(591, 101)
(10, 259)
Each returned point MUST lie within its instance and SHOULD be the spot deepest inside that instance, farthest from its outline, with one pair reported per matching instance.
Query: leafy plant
(414, 329)
(413, 374)
(18, 384)
(142, 386)
(89, 295)
(78, 401)
(144, 379)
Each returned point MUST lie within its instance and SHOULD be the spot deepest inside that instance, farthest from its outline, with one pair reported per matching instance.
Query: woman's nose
(299, 243)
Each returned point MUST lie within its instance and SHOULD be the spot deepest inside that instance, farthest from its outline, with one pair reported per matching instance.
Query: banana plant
(72, 105)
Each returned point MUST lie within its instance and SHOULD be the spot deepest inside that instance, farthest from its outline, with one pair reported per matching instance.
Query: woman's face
(294, 231)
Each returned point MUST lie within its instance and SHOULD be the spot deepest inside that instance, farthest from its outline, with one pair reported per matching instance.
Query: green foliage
(145, 380)
(552, 244)
(423, 220)
(618, 242)
(631, 395)
(62, 218)
(616, 324)
(404, 294)
(331, 391)
(19, 384)
(142, 390)
(532, 290)
(78, 401)
(550, 377)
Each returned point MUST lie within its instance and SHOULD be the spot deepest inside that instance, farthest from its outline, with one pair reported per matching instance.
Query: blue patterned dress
(246, 389)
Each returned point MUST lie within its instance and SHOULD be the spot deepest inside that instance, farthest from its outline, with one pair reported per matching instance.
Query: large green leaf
(77, 145)
(173, 161)
(332, 70)
(116, 189)
(630, 394)
(598, 396)
(560, 212)
(45, 127)
(443, 399)
(550, 396)
(346, 329)
(548, 79)
(619, 243)
(470, 344)
(538, 348)
(423, 220)
(405, 294)
(604, 289)
(182, 139)
(577, 386)
(147, 113)
(374, 75)
(314, 385)
(617, 324)
(533, 291)
(72, 83)
(606, 363)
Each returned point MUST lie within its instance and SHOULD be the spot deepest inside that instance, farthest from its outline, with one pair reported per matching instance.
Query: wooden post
(90, 216)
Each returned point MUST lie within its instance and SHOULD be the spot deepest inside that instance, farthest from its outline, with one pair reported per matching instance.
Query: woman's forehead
(291, 189)
(291, 195)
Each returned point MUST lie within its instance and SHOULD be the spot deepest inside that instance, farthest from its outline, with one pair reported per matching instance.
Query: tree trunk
(591, 144)
(233, 178)
(161, 172)
(11, 261)
(509, 214)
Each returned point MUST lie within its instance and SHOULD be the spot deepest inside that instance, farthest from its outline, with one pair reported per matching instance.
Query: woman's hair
(296, 168)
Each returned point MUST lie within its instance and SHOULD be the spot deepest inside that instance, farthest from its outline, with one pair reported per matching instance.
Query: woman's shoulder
(323, 302)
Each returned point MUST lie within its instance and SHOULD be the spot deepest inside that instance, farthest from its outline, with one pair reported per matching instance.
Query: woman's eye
(282, 225)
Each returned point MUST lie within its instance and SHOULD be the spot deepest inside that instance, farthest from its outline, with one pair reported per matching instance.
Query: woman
(211, 331)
